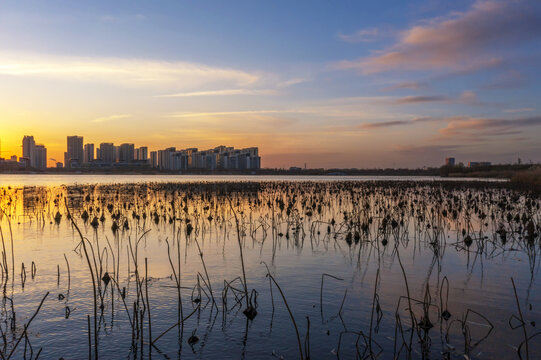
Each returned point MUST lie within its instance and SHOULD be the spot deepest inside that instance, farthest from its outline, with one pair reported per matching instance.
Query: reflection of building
(88, 155)
(450, 161)
(74, 155)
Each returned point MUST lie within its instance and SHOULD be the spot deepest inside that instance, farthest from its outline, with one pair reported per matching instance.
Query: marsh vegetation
(328, 269)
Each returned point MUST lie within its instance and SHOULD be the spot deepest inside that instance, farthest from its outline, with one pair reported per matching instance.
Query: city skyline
(368, 84)
(79, 155)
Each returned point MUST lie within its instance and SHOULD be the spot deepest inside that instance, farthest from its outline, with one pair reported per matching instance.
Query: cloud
(224, 113)
(421, 99)
(488, 127)
(461, 40)
(138, 73)
(366, 35)
(413, 121)
(225, 92)
(466, 97)
(111, 117)
(384, 124)
(291, 82)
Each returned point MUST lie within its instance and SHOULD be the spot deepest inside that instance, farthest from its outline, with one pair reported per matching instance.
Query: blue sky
(329, 83)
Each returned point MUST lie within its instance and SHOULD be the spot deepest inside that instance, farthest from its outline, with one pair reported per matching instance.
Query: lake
(331, 267)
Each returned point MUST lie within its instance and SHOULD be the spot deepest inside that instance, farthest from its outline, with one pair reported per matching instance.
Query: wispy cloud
(124, 72)
(224, 92)
(408, 85)
(392, 123)
(365, 35)
(488, 127)
(466, 97)
(291, 82)
(111, 118)
(384, 124)
(222, 113)
(460, 40)
(421, 99)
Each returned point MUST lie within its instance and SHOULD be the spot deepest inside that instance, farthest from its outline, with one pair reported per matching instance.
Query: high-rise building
(154, 159)
(40, 157)
(107, 153)
(220, 157)
(450, 161)
(74, 155)
(126, 153)
(164, 158)
(88, 153)
(29, 146)
(141, 153)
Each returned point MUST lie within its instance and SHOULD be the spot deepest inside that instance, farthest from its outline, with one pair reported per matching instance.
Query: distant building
(154, 159)
(29, 146)
(126, 153)
(241, 159)
(221, 157)
(450, 161)
(35, 156)
(24, 162)
(107, 153)
(164, 158)
(479, 163)
(74, 155)
(141, 154)
(40, 157)
(88, 153)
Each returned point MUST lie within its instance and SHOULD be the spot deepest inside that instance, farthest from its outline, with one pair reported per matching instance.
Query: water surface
(458, 243)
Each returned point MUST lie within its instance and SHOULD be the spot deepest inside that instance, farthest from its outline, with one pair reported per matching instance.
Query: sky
(366, 84)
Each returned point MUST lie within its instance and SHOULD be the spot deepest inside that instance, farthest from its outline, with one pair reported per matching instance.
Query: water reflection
(322, 269)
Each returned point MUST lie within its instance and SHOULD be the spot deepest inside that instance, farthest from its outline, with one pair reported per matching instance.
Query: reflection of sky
(481, 283)
(359, 84)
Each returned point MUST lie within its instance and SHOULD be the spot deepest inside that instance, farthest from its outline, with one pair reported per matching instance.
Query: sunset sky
(329, 83)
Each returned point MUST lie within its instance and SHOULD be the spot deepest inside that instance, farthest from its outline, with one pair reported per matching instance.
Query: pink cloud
(487, 127)
(462, 40)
